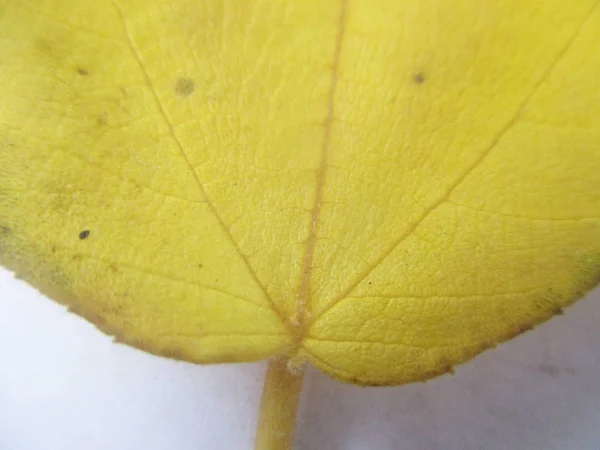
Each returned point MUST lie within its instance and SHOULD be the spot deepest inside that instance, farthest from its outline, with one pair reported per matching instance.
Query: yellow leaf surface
(383, 188)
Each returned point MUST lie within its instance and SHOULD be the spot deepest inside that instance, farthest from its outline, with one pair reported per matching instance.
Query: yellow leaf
(382, 188)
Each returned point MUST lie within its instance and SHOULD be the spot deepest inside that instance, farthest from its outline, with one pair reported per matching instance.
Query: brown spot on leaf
(101, 119)
(525, 328)
(83, 72)
(84, 234)
(419, 78)
(185, 87)
(4, 233)
(173, 353)
(42, 45)
(112, 309)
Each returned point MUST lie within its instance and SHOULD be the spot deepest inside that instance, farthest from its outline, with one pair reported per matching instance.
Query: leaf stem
(278, 407)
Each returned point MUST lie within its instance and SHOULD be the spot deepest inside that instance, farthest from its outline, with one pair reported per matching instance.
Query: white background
(66, 386)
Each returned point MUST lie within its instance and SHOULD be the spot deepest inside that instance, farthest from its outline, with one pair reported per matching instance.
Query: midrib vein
(303, 293)
(514, 119)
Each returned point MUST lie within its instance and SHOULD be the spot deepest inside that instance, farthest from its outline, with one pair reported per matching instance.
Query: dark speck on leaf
(184, 87)
(419, 78)
(82, 72)
(84, 234)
